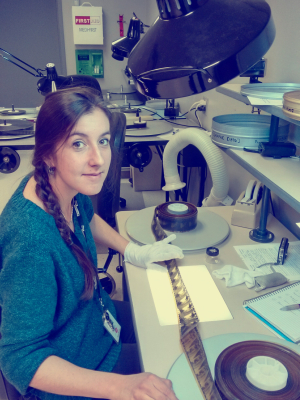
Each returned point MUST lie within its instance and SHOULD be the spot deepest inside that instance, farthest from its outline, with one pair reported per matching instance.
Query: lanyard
(109, 322)
(77, 242)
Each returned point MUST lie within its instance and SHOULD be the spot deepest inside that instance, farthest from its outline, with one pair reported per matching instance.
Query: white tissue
(236, 276)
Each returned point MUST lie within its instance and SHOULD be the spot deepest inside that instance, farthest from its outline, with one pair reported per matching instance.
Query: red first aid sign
(82, 20)
(87, 25)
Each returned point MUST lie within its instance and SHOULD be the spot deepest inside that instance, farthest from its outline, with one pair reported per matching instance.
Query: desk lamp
(197, 45)
(122, 47)
(51, 81)
(192, 47)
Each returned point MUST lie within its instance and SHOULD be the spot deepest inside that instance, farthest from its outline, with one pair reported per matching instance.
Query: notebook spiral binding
(271, 293)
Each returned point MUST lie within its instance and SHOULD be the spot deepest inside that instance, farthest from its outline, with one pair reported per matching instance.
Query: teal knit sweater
(40, 288)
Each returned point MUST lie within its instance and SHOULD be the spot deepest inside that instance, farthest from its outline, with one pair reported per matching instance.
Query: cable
(250, 150)
(187, 126)
(171, 121)
(194, 105)
(196, 115)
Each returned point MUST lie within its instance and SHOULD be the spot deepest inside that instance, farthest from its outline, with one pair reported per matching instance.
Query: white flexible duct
(212, 155)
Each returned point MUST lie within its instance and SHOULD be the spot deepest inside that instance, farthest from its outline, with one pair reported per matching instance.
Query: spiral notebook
(266, 308)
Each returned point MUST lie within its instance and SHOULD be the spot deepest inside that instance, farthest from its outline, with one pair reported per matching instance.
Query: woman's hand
(144, 256)
(59, 376)
(144, 386)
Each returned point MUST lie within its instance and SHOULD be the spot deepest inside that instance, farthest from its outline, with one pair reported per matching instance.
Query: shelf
(233, 91)
(281, 176)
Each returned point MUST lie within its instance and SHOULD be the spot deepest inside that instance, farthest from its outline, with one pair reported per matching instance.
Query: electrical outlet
(206, 102)
(201, 105)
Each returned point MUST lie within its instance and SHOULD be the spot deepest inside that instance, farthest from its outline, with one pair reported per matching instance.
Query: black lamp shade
(197, 45)
(122, 47)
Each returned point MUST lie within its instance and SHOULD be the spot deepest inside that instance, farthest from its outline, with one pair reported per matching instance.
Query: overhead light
(197, 45)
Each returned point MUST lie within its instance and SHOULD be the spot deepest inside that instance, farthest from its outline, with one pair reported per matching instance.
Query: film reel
(12, 111)
(13, 127)
(184, 383)
(9, 160)
(177, 216)
(139, 156)
(230, 371)
(108, 283)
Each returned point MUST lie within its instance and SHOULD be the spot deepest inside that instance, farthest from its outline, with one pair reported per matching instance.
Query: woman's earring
(51, 170)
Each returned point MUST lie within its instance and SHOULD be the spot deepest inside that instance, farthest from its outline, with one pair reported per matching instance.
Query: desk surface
(159, 346)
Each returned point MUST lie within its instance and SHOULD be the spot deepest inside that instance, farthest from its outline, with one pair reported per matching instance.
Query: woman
(58, 326)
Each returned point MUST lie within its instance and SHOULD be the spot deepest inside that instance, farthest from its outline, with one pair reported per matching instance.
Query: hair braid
(45, 192)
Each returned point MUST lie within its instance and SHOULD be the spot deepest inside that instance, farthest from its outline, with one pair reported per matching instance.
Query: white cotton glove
(145, 256)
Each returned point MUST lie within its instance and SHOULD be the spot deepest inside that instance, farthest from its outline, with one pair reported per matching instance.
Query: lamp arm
(39, 73)
(212, 155)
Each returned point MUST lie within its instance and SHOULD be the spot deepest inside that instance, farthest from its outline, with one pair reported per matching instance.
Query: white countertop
(159, 346)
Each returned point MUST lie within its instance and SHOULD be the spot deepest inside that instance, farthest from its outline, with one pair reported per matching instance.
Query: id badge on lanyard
(109, 322)
(111, 325)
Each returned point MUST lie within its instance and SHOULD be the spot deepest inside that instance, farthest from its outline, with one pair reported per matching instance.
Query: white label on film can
(177, 208)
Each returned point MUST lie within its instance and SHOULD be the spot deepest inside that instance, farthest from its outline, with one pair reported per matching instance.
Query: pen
(291, 307)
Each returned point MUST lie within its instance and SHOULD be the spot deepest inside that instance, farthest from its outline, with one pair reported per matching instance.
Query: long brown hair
(57, 117)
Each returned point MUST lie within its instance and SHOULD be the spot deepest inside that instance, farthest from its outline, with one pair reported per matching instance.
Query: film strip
(188, 321)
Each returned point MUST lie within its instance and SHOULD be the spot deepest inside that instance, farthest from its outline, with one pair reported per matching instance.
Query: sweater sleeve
(28, 293)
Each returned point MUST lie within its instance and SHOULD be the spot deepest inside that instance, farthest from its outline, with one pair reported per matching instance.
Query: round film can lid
(177, 208)
(293, 96)
(291, 104)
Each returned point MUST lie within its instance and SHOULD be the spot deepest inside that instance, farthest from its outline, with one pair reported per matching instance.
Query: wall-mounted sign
(89, 62)
(87, 25)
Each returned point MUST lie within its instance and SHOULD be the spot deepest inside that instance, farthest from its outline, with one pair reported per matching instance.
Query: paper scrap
(207, 300)
(257, 101)
(257, 254)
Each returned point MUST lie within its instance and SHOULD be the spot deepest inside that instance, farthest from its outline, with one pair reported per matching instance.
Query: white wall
(284, 55)
(113, 75)
(151, 11)
(35, 43)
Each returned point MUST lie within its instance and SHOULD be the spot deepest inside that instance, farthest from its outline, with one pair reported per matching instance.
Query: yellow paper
(207, 300)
